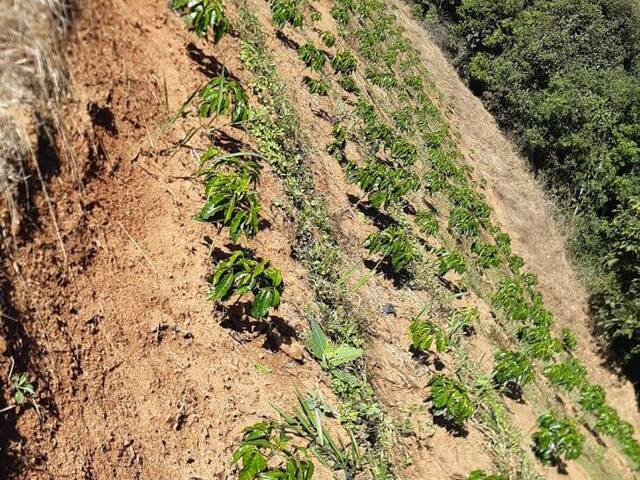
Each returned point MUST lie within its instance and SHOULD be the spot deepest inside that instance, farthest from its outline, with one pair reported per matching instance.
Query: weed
(22, 388)
(326, 352)
(481, 475)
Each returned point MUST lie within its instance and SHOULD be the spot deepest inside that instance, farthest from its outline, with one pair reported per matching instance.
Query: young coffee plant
(213, 161)
(266, 452)
(204, 14)
(480, 475)
(22, 388)
(239, 275)
(510, 298)
(383, 183)
(450, 400)
(328, 38)
(450, 260)
(220, 95)
(348, 84)
(568, 339)
(286, 11)
(404, 152)
(230, 201)
(487, 255)
(326, 352)
(427, 222)
(316, 87)
(511, 372)
(396, 245)
(344, 62)
(463, 223)
(462, 322)
(424, 333)
(312, 57)
(592, 398)
(608, 422)
(557, 439)
(538, 342)
(567, 375)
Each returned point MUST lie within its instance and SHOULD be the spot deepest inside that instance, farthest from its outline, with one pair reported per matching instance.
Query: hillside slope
(139, 375)
(522, 210)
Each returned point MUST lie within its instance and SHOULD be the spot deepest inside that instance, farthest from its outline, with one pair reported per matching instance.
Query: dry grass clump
(32, 81)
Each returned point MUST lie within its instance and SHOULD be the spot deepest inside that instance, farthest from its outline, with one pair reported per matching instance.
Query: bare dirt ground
(139, 375)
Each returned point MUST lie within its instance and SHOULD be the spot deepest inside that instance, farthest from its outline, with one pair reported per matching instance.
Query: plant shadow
(286, 41)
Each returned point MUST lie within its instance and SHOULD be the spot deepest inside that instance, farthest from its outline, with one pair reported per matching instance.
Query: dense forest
(563, 76)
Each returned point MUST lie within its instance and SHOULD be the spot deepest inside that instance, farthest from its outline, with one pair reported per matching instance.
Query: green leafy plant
(427, 222)
(213, 160)
(395, 244)
(266, 452)
(557, 439)
(462, 322)
(22, 388)
(568, 339)
(450, 400)
(348, 84)
(511, 372)
(567, 375)
(510, 297)
(404, 152)
(463, 223)
(481, 475)
(286, 11)
(326, 352)
(344, 62)
(450, 260)
(220, 95)
(538, 342)
(230, 201)
(592, 398)
(328, 38)
(204, 14)
(312, 57)
(239, 275)
(424, 333)
(487, 255)
(383, 183)
(316, 16)
(316, 87)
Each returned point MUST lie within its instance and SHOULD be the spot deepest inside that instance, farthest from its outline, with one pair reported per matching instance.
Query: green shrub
(450, 260)
(567, 375)
(312, 57)
(204, 14)
(592, 398)
(427, 222)
(396, 245)
(424, 333)
(286, 11)
(450, 400)
(511, 372)
(344, 62)
(239, 275)
(557, 439)
(316, 86)
(221, 94)
(487, 255)
(328, 38)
